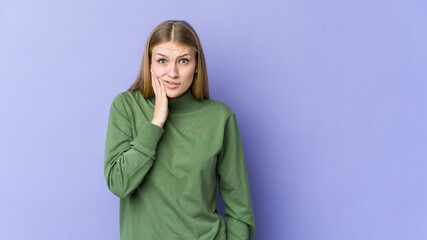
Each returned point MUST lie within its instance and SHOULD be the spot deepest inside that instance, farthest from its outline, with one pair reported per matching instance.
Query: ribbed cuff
(150, 135)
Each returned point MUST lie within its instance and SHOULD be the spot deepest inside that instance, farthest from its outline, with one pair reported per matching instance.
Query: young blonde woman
(168, 144)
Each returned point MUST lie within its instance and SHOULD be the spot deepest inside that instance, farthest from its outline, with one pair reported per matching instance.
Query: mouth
(172, 83)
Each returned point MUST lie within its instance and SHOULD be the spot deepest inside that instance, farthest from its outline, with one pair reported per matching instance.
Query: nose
(173, 71)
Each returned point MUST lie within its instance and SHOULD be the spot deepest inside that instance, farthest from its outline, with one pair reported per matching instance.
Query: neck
(182, 104)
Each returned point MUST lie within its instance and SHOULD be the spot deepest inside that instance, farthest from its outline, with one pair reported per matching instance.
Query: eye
(184, 60)
(161, 60)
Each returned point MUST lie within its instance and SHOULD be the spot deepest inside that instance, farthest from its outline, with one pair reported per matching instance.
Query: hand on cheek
(161, 109)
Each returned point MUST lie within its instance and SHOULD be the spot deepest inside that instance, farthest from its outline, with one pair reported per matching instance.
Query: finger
(164, 88)
(163, 85)
(154, 84)
(152, 75)
(152, 78)
(160, 84)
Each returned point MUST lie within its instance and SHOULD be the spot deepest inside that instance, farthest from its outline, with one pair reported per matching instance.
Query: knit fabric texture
(166, 178)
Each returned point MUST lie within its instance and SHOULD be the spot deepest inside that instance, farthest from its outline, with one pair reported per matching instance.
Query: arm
(128, 159)
(234, 185)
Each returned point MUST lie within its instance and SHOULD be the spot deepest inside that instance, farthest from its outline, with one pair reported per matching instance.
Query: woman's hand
(161, 109)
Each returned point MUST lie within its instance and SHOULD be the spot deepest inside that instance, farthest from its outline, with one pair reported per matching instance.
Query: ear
(195, 70)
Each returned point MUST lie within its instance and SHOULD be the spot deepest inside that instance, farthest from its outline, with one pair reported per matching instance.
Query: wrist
(160, 124)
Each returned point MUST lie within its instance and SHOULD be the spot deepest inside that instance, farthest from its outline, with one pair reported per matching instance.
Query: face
(175, 65)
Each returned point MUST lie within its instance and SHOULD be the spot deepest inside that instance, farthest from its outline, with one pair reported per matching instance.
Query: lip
(171, 86)
(171, 82)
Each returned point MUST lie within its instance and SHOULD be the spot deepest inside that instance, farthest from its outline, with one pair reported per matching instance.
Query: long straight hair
(181, 32)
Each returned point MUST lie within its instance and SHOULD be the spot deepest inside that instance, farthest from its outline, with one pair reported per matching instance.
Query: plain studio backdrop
(330, 97)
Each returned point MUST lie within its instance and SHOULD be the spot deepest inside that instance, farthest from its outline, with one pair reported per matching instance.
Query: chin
(171, 96)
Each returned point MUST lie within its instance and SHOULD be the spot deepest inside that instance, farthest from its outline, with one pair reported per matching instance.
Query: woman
(166, 144)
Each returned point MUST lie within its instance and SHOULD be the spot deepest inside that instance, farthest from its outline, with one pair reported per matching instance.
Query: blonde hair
(181, 32)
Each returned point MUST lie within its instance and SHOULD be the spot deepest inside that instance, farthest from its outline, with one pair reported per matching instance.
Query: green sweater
(166, 178)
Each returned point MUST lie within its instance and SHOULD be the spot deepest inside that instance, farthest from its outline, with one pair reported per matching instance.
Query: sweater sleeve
(234, 185)
(128, 158)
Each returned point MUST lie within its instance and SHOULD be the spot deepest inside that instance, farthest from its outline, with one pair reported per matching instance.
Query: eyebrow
(178, 56)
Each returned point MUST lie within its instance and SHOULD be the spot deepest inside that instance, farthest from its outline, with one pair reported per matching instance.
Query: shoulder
(219, 107)
(118, 100)
(127, 98)
(122, 101)
(124, 96)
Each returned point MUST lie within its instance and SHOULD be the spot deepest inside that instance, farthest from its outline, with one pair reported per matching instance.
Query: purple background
(330, 98)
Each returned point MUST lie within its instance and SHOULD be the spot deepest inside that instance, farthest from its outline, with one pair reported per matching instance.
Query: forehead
(172, 48)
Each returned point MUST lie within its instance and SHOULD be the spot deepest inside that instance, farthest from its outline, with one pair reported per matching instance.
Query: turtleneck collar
(183, 104)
